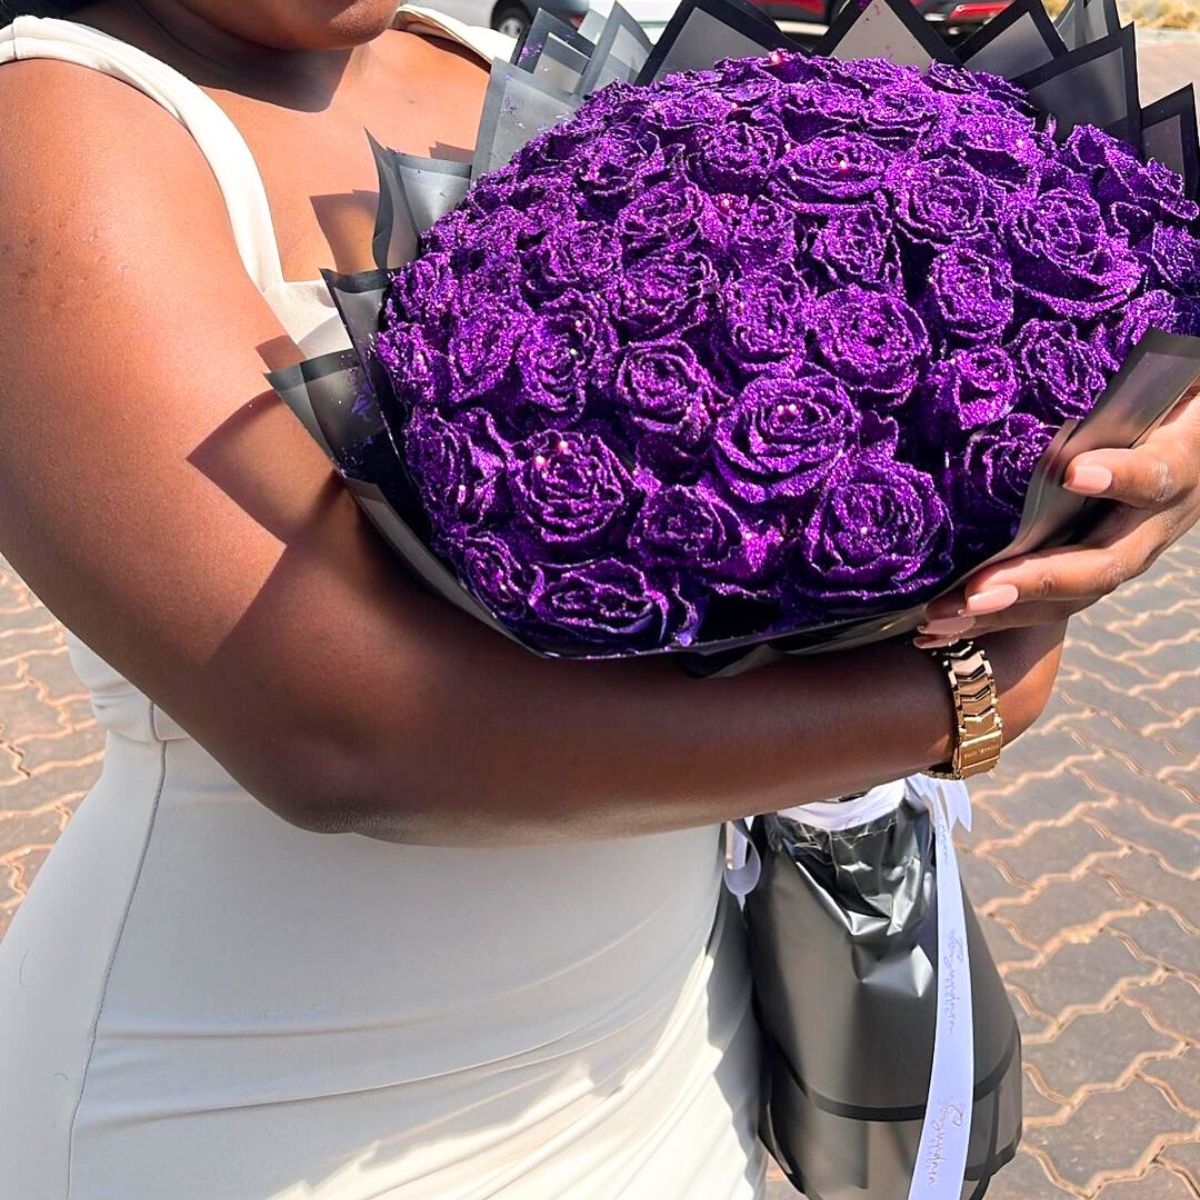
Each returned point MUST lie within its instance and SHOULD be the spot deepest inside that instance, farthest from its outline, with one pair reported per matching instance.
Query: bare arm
(180, 520)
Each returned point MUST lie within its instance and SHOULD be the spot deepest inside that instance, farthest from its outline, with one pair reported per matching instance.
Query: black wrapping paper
(843, 940)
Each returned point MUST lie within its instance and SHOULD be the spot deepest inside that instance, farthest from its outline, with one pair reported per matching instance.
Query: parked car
(513, 16)
(958, 14)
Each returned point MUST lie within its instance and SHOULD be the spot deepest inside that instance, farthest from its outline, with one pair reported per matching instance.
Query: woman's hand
(1156, 488)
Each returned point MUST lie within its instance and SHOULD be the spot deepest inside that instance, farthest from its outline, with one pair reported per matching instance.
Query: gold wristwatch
(980, 732)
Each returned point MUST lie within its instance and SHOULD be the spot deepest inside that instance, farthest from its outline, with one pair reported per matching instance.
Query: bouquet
(721, 350)
(770, 352)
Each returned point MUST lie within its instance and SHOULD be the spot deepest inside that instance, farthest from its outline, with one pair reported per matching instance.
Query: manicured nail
(1089, 480)
(947, 627)
(932, 643)
(992, 600)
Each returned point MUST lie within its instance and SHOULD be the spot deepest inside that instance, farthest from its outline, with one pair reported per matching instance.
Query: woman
(518, 980)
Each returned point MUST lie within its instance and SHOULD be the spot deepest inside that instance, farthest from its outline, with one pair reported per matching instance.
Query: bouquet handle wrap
(894, 1069)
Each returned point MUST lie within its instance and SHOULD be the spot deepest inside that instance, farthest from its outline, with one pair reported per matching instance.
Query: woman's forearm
(493, 745)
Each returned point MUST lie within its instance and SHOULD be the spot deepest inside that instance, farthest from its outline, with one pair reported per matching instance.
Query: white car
(513, 16)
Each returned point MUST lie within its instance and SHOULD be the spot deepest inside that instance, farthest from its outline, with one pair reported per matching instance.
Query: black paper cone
(849, 1044)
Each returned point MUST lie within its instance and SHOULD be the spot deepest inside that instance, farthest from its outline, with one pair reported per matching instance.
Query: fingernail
(947, 626)
(932, 643)
(992, 600)
(1089, 480)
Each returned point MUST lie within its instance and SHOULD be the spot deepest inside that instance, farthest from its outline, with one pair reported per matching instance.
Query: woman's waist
(243, 927)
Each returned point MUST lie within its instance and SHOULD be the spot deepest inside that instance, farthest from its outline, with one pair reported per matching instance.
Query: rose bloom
(879, 529)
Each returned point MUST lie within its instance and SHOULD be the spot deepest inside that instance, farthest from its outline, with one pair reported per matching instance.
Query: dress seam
(112, 958)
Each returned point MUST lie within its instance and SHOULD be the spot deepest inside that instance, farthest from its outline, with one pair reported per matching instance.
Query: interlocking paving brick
(1054, 850)
(1110, 1134)
(1080, 974)
(1040, 747)
(1179, 847)
(49, 786)
(1005, 948)
(1158, 935)
(1181, 1075)
(67, 746)
(1065, 906)
(1172, 1003)
(1163, 799)
(1185, 1158)
(1140, 875)
(1158, 1183)
(1096, 1049)
(1024, 1179)
(1042, 799)
(984, 827)
(38, 828)
(26, 863)
(984, 881)
(1100, 731)
(1037, 1107)
(25, 714)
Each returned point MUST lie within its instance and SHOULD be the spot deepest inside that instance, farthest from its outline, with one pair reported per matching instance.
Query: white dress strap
(218, 138)
(489, 44)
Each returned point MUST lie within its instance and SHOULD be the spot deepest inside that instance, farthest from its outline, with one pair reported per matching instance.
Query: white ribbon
(942, 1152)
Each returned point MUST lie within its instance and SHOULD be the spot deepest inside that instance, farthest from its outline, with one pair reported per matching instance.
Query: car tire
(511, 19)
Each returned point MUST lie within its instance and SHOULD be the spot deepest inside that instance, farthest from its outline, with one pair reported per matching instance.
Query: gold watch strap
(979, 735)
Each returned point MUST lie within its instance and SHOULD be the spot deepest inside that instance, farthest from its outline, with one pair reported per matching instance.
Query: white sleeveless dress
(199, 1001)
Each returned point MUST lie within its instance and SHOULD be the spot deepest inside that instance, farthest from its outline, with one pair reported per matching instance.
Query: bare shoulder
(85, 155)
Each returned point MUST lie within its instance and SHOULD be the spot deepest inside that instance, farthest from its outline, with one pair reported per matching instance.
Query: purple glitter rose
(572, 255)
(426, 292)
(938, 199)
(837, 168)
(737, 156)
(901, 116)
(459, 470)
(663, 398)
(764, 315)
(609, 603)
(1061, 374)
(970, 389)
(1002, 147)
(811, 110)
(569, 488)
(569, 349)
(1152, 310)
(673, 215)
(765, 233)
(419, 371)
(692, 530)
(617, 167)
(501, 580)
(481, 348)
(664, 294)
(1000, 460)
(879, 528)
(857, 245)
(1175, 254)
(970, 295)
(1120, 177)
(1065, 260)
(872, 340)
(778, 440)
